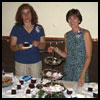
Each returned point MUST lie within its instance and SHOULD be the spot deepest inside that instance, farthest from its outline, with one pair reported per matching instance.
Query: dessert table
(69, 85)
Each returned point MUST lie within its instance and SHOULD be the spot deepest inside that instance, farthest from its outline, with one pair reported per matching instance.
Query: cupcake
(28, 91)
(39, 86)
(90, 89)
(13, 91)
(21, 81)
(26, 44)
(33, 81)
(18, 86)
(95, 94)
(31, 85)
(69, 91)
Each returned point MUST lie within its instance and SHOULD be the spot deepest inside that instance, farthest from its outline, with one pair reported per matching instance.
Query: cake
(26, 44)
(31, 85)
(69, 91)
(39, 86)
(90, 89)
(21, 81)
(95, 94)
(13, 91)
(28, 91)
(18, 86)
(33, 81)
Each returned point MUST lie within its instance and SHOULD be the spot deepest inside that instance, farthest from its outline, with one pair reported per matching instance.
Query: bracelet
(82, 75)
(17, 48)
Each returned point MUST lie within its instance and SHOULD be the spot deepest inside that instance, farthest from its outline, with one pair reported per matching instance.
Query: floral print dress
(76, 55)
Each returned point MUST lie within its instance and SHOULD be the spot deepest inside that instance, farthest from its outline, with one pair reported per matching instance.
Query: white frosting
(49, 74)
(55, 88)
(54, 75)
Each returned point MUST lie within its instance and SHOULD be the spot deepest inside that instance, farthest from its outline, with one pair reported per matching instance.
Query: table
(67, 84)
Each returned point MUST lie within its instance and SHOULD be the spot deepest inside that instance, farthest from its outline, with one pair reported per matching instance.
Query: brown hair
(18, 18)
(74, 12)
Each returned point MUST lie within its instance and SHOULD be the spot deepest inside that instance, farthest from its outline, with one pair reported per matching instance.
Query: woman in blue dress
(27, 59)
(78, 49)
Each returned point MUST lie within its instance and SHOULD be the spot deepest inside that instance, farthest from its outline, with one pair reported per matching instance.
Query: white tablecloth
(68, 84)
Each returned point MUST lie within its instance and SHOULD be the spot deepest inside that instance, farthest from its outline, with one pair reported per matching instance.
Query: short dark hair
(18, 18)
(75, 12)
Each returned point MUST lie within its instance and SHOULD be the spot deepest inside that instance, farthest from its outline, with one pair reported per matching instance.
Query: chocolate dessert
(13, 91)
(18, 86)
(26, 44)
(21, 81)
(39, 86)
(69, 92)
(33, 81)
(95, 95)
(28, 91)
(90, 89)
(31, 85)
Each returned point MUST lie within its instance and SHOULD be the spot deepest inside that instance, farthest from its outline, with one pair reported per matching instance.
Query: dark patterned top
(76, 55)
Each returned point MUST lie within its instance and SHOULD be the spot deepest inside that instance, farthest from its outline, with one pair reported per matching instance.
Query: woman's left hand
(35, 43)
(81, 81)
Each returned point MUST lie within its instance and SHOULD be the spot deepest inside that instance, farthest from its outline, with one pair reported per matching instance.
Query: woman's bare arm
(13, 41)
(88, 46)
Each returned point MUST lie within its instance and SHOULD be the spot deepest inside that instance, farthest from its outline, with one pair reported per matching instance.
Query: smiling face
(26, 15)
(73, 21)
(74, 18)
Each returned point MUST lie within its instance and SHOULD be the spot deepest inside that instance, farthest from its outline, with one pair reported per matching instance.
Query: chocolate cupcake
(33, 81)
(95, 94)
(13, 91)
(28, 91)
(69, 91)
(31, 85)
(26, 44)
(39, 86)
(21, 82)
(18, 86)
(90, 89)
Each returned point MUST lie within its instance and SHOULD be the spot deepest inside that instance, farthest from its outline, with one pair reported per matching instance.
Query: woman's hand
(81, 81)
(35, 43)
(51, 48)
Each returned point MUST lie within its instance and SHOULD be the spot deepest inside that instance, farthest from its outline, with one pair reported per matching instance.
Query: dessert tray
(53, 87)
(52, 60)
(7, 81)
(52, 74)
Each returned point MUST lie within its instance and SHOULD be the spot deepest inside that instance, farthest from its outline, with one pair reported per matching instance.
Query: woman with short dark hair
(27, 39)
(78, 49)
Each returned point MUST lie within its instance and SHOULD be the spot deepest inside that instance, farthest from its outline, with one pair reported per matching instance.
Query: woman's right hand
(51, 48)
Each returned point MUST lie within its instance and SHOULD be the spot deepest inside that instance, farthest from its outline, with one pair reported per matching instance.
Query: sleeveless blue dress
(76, 55)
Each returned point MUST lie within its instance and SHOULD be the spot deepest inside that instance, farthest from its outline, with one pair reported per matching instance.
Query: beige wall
(52, 15)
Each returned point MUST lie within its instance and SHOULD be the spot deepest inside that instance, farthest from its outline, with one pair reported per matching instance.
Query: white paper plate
(28, 47)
